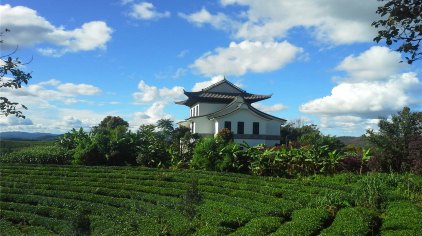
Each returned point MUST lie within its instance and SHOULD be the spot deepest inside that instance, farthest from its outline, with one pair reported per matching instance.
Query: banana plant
(366, 156)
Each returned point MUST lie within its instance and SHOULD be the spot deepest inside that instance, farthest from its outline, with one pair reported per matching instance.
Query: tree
(166, 129)
(401, 23)
(395, 136)
(111, 122)
(11, 76)
(151, 149)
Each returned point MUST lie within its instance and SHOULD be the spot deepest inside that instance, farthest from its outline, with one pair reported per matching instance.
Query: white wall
(248, 118)
(208, 108)
(203, 125)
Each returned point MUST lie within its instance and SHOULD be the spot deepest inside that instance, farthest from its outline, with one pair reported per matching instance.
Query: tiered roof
(222, 92)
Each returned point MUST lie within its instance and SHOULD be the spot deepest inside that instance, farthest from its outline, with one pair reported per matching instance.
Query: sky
(134, 59)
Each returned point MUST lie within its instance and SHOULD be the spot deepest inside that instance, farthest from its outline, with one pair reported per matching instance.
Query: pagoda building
(225, 105)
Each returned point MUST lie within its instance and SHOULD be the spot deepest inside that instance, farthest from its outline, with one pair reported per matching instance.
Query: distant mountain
(357, 141)
(27, 136)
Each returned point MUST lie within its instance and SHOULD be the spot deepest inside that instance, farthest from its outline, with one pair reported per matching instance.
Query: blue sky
(128, 58)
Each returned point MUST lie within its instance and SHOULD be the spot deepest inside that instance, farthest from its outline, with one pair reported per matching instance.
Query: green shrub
(305, 221)
(402, 218)
(38, 155)
(205, 154)
(88, 154)
(351, 221)
(259, 226)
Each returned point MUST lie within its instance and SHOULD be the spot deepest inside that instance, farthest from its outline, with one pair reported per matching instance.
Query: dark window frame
(255, 128)
(240, 127)
(228, 125)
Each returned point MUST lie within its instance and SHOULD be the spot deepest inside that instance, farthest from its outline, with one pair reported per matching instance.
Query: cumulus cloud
(377, 63)
(151, 115)
(147, 11)
(14, 121)
(269, 108)
(79, 89)
(246, 56)
(202, 17)
(330, 21)
(367, 91)
(367, 99)
(28, 29)
(201, 85)
(149, 94)
(41, 94)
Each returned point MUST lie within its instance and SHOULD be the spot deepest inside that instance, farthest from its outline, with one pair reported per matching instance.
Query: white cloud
(201, 85)
(28, 29)
(12, 120)
(182, 53)
(246, 56)
(41, 94)
(330, 21)
(373, 87)
(366, 99)
(377, 63)
(202, 17)
(150, 94)
(79, 89)
(151, 115)
(146, 11)
(271, 108)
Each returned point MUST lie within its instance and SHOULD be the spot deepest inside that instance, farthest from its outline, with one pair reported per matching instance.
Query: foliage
(181, 148)
(151, 148)
(108, 143)
(351, 221)
(38, 155)
(8, 146)
(165, 129)
(306, 221)
(109, 123)
(401, 23)
(108, 200)
(191, 199)
(292, 162)
(394, 137)
(402, 218)
(11, 76)
(206, 154)
(225, 135)
(291, 132)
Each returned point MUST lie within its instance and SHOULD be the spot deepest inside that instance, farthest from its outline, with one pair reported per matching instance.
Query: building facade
(224, 105)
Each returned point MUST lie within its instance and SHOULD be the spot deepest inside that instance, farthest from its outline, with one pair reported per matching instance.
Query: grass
(82, 200)
(8, 146)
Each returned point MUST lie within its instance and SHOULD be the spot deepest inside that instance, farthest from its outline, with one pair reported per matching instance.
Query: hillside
(80, 200)
(356, 141)
(16, 135)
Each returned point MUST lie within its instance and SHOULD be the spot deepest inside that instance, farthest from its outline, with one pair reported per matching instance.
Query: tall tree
(11, 76)
(394, 137)
(401, 22)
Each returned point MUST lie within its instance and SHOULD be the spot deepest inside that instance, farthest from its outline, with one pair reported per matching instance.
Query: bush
(351, 221)
(306, 221)
(88, 154)
(402, 218)
(206, 154)
(39, 155)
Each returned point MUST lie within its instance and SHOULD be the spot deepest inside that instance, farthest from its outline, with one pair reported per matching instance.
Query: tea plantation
(81, 200)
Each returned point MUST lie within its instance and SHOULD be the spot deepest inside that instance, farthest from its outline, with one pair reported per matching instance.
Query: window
(228, 125)
(193, 127)
(240, 127)
(255, 128)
